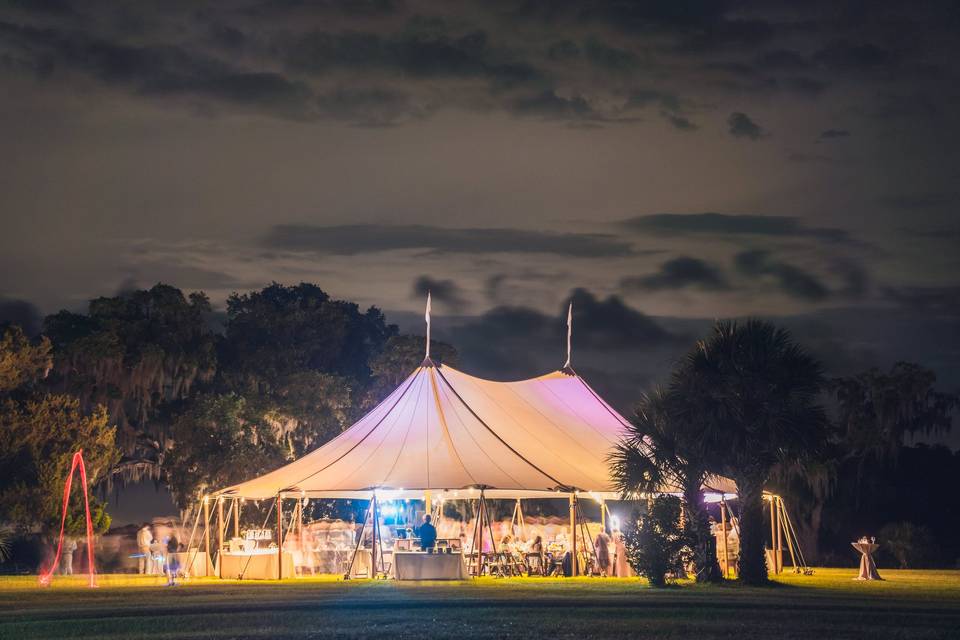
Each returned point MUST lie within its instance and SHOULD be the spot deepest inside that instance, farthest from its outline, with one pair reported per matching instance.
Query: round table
(868, 568)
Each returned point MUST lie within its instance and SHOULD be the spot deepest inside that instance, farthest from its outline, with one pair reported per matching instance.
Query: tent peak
(429, 363)
(568, 371)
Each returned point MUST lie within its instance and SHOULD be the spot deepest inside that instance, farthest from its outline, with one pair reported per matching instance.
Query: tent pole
(478, 538)
(779, 555)
(196, 521)
(427, 502)
(786, 532)
(523, 523)
(206, 535)
(379, 546)
(573, 534)
(356, 549)
(373, 536)
(236, 517)
(603, 515)
(773, 533)
(279, 537)
(723, 532)
(220, 534)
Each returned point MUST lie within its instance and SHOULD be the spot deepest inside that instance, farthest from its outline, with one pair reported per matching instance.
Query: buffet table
(260, 564)
(417, 565)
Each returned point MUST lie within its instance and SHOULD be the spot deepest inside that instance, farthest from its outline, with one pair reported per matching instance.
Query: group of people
(158, 557)
(609, 552)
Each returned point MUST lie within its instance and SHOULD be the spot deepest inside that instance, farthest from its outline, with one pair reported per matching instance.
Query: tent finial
(569, 333)
(426, 316)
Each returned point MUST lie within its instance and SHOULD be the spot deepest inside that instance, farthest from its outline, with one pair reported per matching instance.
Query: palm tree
(757, 391)
(661, 450)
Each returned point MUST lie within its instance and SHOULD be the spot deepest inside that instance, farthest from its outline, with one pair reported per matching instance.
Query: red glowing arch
(47, 576)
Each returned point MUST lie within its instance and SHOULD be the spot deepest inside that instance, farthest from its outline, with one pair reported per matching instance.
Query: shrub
(909, 545)
(654, 540)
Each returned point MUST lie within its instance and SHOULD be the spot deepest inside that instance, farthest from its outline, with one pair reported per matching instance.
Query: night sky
(665, 163)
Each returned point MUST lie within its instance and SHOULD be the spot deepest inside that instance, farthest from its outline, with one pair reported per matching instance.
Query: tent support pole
(779, 555)
(236, 517)
(603, 515)
(574, 569)
(279, 537)
(196, 521)
(723, 532)
(206, 535)
(523, 522)
(585, 535)
(478, 536)
(356, 549)
(220, 534)
(773, 532)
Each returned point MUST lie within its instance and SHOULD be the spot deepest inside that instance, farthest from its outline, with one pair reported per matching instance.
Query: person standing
(144, 539)
(621, 568)
(428, 535)
(602, 545)
(158, 553)
(66, 556)
(172, 565)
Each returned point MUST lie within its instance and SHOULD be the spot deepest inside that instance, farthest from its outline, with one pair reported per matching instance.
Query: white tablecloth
(868, 568)
(253, 566)
(416, 565)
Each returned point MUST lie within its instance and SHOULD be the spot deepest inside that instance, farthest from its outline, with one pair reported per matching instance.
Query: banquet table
(868, 569)
(417, 565)
(253, 565)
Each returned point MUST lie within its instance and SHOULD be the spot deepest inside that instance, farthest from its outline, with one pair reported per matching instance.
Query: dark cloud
(942, 302)
(680, 273)
(548, 104)
(791, 280)
(563, 50)
(370, 106)
(680, 122)
(741, 126)
(358, 239)
(423, 54)
(833, 134)
(158, 70)
(732, 224)
(847, 56)
(516, 341)
(20, 313)
(610, 58)
(445, 292)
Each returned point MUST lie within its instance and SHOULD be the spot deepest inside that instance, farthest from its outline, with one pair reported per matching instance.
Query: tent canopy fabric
(453, 434)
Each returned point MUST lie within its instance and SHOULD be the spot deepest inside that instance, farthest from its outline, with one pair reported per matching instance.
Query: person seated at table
(428, 534)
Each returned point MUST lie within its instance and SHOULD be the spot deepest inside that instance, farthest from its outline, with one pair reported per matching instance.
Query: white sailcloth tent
(448, 432)
(444, 431)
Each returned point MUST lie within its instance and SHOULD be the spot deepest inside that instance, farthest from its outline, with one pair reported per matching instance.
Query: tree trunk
(753, 564)
(698, 536)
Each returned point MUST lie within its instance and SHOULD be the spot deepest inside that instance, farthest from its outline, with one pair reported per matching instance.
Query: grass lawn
(909, 604)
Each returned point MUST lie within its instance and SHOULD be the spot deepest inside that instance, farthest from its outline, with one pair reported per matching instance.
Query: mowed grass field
(827, 605)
